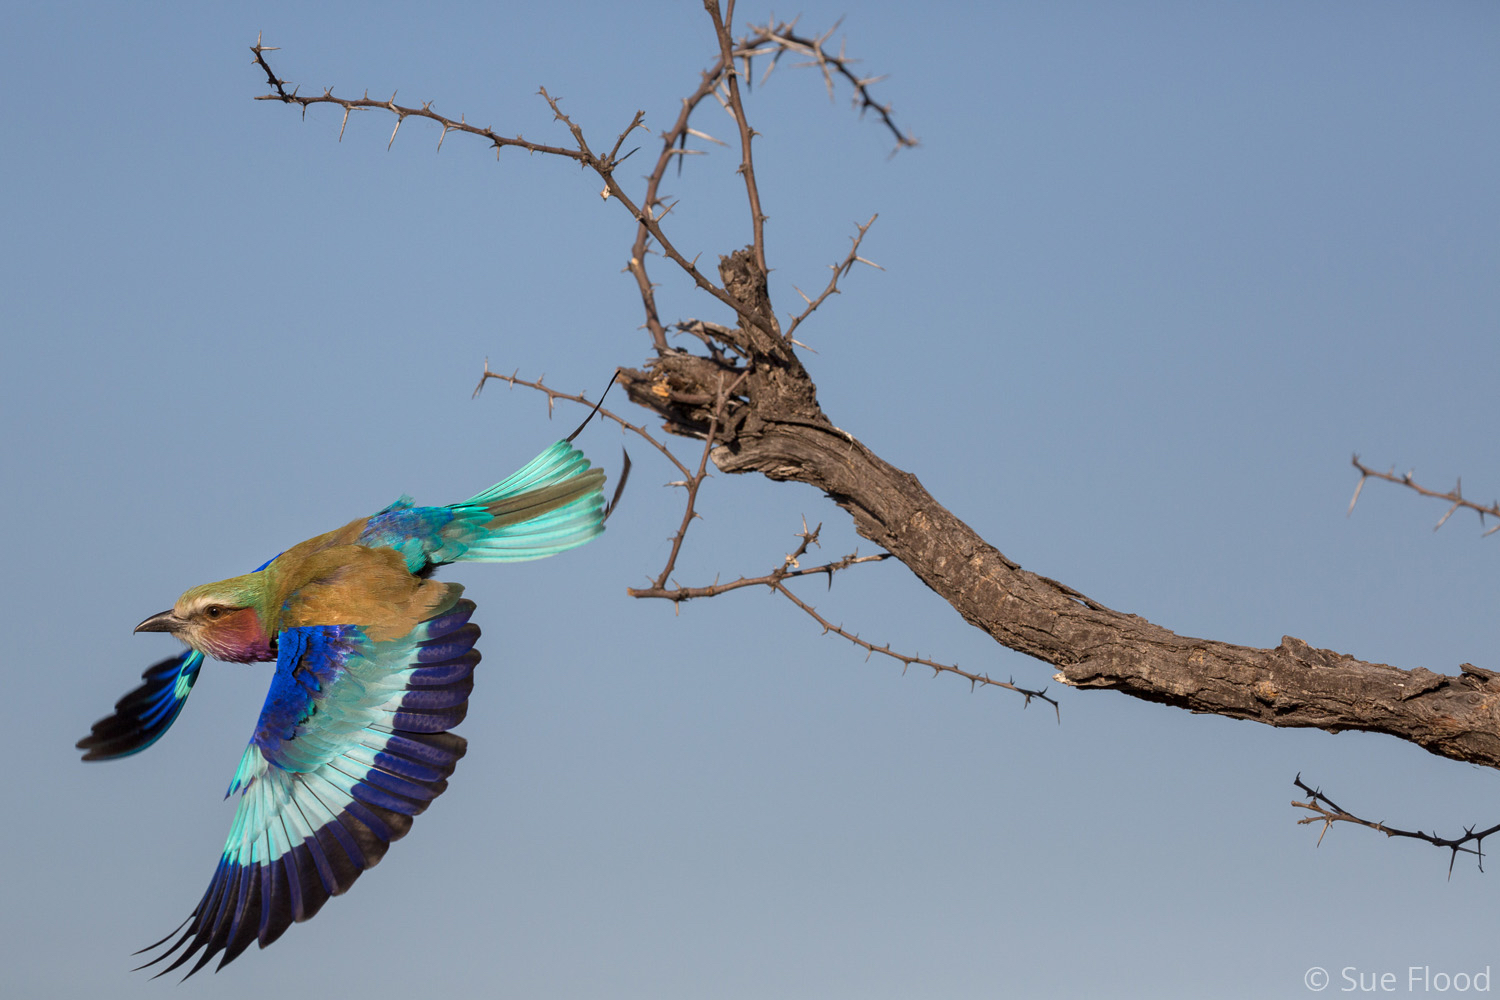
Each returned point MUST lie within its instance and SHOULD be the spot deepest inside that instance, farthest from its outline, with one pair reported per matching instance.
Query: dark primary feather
(143, 715)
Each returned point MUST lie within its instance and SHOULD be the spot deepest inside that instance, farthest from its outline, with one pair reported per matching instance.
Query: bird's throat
(237, 637)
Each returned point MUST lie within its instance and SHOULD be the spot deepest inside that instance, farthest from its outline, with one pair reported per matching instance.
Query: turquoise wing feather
(351, 744)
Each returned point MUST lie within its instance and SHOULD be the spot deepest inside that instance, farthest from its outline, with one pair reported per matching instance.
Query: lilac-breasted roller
(374, 664)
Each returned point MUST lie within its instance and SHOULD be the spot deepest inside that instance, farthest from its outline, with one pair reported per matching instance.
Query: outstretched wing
(352, 743)
(146, 712)
(554, 503)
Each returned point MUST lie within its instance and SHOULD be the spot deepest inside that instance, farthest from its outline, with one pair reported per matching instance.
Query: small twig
(1327, 812)
(679, 594)
(614, 158)
(260, 60)
(1455, 496)
(839, 270)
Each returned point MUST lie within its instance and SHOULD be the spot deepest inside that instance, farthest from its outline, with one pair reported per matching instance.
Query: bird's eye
(213, 611)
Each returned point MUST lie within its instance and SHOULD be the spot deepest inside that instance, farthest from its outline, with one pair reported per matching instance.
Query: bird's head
(219, 619)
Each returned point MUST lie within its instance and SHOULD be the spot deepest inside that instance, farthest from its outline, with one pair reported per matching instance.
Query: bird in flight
(374, 664)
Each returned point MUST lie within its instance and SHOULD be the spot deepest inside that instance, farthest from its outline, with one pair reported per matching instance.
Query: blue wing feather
(351, 744)
(142, 716)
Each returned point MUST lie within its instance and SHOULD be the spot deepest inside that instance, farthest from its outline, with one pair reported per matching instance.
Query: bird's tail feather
(554, 503)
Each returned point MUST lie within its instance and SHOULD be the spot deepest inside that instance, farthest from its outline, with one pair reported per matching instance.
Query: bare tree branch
(737, 109)
(604, 167)
(678, 594)
(1327, 812)
(1455, 496)
(777, 39)
(552, 395)
(402, 113)
(674, 146)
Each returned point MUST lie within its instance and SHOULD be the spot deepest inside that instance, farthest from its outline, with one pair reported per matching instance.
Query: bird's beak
(166, 621)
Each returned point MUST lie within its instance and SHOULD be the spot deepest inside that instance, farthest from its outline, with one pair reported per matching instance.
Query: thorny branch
(401, 112)
(603, 166)
(906, 661)
(839, 271)
(553, 395)
(1324, 810)
(776, 40)
(605, 169)
(791, 568)
(786, 571)
(736, 106)
(1455, 496)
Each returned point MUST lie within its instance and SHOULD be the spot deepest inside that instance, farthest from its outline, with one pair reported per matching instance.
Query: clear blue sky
(1155, 272)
